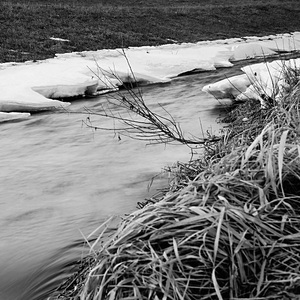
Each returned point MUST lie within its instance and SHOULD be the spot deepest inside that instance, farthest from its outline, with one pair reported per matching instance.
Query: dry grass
(228, 228)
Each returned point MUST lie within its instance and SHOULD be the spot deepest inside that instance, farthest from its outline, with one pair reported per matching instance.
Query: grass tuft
(227, 228)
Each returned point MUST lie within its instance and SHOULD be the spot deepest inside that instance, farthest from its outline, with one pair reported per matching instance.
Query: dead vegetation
(227, 228)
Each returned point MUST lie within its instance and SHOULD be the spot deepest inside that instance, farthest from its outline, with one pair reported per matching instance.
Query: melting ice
(34, 86)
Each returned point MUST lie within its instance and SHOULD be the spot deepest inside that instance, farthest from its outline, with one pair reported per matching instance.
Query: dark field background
(27, 25)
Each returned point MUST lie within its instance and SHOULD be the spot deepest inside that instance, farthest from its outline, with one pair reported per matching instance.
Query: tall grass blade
(281, 155)
(216, 285)
(217, 238)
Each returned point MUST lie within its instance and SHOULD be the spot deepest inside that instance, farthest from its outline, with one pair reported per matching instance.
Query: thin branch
(150, 125)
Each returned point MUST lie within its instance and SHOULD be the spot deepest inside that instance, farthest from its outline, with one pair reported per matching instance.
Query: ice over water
(34, 86)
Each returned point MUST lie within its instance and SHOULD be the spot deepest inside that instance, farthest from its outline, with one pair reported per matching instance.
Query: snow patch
(58, 39)
(24, 99)
(229, 87)
(246, 51)
(259, 81)
(29, 86)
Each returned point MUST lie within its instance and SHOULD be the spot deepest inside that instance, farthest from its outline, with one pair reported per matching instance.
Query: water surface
(60, 179)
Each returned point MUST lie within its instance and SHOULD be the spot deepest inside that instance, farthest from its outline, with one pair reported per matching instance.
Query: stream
(60, 180)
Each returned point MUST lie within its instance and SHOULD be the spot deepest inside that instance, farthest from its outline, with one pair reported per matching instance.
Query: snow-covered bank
(31, 86)
(262, 81)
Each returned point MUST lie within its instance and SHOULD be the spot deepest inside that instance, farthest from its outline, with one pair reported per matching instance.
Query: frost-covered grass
(26, 26)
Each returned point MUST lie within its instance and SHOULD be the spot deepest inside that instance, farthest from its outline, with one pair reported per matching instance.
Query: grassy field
(27, 25)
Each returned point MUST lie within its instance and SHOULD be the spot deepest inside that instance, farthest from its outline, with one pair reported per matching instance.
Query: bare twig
(140, 121)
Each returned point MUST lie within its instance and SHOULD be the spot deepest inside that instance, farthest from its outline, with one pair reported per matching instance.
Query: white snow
(25, 99)
(228, 87)
(268, 79)
(246, 51)
(32, 86)
(58, 39)
(259, 81)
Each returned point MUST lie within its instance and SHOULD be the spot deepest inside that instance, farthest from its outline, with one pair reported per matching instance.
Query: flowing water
(60, 179)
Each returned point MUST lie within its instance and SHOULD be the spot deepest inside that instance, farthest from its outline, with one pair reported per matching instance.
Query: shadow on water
(57, 268)
(60, 266)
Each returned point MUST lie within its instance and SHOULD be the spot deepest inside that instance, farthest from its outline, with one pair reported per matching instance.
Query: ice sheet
(31, 86)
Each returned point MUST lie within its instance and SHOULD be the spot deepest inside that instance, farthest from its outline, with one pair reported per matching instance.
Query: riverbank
(39, 29)
(203, 225)
(227, 228)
